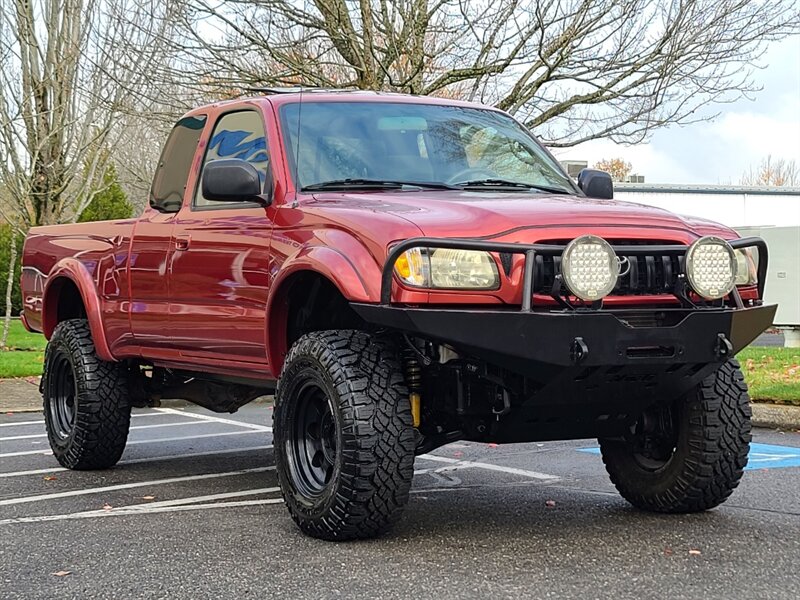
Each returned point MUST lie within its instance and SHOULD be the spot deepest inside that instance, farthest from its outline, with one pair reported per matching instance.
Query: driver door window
(236, 135)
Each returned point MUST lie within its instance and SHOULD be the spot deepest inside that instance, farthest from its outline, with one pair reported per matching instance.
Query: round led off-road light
(590, 267)
(711, 267)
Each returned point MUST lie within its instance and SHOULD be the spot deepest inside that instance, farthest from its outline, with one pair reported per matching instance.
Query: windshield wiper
(378, 184)
(508, 183)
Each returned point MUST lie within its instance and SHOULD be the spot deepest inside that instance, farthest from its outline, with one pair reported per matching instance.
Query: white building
(732, 205)
(772, 213)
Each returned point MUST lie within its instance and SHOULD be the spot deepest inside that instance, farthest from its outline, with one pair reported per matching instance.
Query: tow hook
(504, 397)
(578, 350)
(723, 347)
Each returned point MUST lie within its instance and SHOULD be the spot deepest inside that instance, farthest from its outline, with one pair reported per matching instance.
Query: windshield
(353, 142)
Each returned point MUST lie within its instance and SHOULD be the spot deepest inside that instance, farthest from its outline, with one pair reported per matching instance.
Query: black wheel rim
(62, 394)
(654, 439)
(311, 444)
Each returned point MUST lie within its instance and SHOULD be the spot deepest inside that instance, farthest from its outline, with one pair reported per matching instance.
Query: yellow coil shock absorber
(414, 382)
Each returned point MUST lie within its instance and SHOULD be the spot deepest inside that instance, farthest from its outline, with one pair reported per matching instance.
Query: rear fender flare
(71, 269)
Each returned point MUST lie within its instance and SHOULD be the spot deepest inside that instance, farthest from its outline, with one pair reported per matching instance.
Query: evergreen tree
(111, 203)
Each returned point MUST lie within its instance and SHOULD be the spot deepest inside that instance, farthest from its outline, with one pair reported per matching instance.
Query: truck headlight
(443, 268)
(711, 267)
(746, 270)
(589, 267)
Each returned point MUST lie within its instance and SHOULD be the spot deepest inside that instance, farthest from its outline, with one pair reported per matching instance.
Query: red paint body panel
(205, 289)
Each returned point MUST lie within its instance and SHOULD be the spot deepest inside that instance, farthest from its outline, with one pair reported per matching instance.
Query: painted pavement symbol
(762, 456)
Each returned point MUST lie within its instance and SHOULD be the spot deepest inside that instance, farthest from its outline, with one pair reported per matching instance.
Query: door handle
(182, 242)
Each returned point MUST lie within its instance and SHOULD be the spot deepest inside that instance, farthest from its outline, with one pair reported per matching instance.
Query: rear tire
(86, 409)
(697, 466)
(344, 440)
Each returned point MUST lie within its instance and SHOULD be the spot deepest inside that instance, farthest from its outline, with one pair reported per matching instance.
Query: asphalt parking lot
(193, 511)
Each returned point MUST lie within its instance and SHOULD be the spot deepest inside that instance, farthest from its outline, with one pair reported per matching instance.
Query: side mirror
(171, 204)
(596, 184)
(232, 180)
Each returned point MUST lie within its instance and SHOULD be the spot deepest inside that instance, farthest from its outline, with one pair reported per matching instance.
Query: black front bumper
(525, 341)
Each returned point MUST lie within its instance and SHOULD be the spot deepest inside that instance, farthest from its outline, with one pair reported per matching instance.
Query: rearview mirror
(232, 180)
(596, 184)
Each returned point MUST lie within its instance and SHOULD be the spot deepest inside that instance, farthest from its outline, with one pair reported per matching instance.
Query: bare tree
(68, 70)
(618, 168)
(12, 264)
(574, 70)
(773, 172)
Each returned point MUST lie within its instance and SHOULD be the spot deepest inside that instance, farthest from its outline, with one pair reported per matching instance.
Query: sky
(721, 151)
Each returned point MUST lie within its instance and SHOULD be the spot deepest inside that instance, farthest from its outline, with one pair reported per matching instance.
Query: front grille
(647, 275)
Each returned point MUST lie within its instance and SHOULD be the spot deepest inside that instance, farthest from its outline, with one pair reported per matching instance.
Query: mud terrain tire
(86, 409)
(712, 439)
(344, 440)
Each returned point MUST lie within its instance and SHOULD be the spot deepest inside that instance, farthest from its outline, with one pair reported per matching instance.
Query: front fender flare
(356, 276)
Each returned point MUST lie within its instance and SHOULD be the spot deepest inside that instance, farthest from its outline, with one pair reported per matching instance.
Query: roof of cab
(289, 95)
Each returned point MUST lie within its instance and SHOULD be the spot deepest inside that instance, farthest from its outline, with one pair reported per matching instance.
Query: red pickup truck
(402, 272)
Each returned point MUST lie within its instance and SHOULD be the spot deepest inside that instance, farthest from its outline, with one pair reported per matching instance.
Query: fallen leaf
(694, 552)
(668, 551)
(550, 503)
(107, 506)
(49, 478)
(61, 573)
(148, 497)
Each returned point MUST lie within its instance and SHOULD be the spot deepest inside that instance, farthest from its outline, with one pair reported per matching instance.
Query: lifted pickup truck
(402, 272)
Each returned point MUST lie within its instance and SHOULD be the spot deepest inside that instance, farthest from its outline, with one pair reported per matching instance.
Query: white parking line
(136, 511)
(41, 422)
(172, 411)
(27, 453)
(466, 464)
(190, 437)
(143, 460)
(134, 442)
(22, 423)
(126, 486)
(155, 426)
(194, 499)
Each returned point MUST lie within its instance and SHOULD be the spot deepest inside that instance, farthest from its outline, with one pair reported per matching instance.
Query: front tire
(86, 409)
(344, 440)
(688, 457)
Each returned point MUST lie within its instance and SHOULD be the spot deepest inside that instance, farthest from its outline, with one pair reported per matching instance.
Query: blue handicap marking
(768, 456)
(762, 456)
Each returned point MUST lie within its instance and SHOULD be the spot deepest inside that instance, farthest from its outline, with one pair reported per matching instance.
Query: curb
(7, 407)
(776, 416)
(22, 396)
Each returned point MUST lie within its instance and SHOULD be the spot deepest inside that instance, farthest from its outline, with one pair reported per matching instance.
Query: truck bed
(97, 250)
